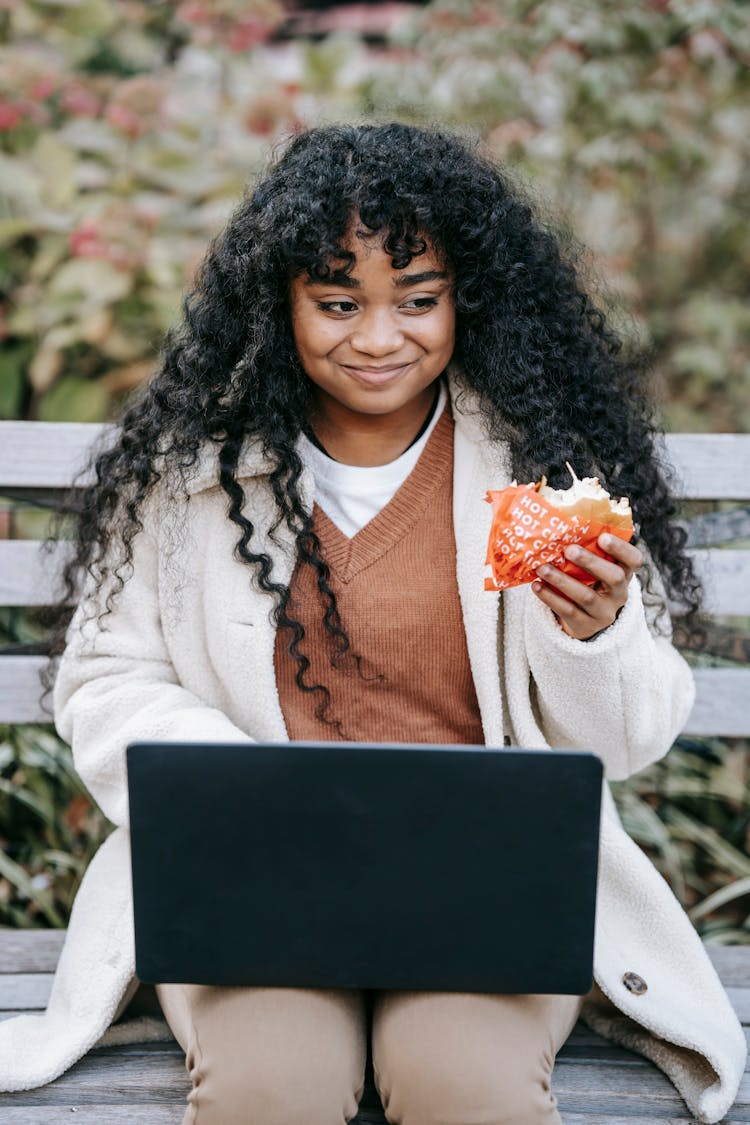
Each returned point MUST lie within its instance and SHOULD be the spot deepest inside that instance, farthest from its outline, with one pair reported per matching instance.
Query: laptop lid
(364, 866)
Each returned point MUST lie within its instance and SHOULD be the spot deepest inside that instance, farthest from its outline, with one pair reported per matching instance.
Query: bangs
(400, 236)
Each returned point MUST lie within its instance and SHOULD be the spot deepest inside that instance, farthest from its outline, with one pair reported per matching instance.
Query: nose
(377, 333)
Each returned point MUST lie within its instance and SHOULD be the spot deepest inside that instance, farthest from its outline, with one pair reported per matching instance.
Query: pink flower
(707, 43)
(136, 104)
(125, 120)
(11, 115)
(86, 242)
(247, 33)
(195, 13)
(42, 87)
(79, 100)
(116, 235)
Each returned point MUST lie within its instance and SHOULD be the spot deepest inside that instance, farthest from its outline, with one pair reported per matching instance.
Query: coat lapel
(478, 465)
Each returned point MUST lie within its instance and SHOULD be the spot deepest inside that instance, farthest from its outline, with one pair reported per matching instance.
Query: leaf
(24, 797)
(721, 852)
(12, 229)
(56, 165)
(721, 897)
(44, 368)
(646, 827)
(95, 280)
(20, 190)
(74, 399)
(63, 860)
(85, 134)
(16, 875)
(13, 359)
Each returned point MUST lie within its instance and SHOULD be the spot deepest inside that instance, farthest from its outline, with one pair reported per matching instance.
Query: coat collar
(255, 462)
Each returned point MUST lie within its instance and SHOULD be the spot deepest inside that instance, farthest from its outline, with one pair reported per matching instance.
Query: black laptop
(338, 865)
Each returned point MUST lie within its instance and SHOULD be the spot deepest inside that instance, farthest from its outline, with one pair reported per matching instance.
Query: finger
(573, 620)
(561, 592)
(622, 551)
(609, 573)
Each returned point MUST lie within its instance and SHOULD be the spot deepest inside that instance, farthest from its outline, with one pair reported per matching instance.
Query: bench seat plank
(38, 951)
(607, 1119)
(94, 1115)
(22, 992)
(30, 951)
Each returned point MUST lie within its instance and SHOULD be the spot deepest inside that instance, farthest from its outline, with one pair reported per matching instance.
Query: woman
(382, 332)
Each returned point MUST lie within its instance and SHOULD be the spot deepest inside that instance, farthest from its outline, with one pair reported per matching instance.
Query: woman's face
(374, 341)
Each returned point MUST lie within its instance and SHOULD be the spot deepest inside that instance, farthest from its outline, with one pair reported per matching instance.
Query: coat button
(634, 983)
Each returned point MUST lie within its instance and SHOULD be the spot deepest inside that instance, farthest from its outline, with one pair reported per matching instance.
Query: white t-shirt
(352, 495)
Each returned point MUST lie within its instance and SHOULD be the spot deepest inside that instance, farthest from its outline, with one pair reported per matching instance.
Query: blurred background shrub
(128, 129)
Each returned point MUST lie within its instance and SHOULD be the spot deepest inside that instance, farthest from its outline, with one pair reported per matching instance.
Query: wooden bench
(596, 1082)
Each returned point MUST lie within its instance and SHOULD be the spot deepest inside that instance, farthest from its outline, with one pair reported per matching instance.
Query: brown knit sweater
(395, 583)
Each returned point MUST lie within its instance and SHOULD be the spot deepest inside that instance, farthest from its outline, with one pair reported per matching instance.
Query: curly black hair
(551, 375)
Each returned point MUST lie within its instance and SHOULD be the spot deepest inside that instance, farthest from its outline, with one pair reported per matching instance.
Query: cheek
(443, 332)
(316, 339)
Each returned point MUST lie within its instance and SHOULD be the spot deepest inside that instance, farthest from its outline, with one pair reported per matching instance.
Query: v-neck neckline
(348, 557)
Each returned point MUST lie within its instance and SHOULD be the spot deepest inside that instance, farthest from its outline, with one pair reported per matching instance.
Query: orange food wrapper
(527, 531)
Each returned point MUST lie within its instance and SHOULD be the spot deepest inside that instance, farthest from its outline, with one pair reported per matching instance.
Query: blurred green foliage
(49, 829)
(129, 129)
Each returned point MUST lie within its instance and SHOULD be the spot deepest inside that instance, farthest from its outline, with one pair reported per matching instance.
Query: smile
(374, 376)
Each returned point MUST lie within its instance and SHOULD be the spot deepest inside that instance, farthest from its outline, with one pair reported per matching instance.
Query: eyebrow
(345, 281)
(408, 279)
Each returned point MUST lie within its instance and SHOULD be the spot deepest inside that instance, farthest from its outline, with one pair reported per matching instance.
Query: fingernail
(605, 540)
(572, 553)
(544, 571)
(536, 587)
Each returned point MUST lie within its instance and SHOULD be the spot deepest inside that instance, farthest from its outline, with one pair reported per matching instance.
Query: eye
(342, 308)
(420, 304)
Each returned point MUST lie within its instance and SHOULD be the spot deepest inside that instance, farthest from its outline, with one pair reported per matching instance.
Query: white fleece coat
(187, 655)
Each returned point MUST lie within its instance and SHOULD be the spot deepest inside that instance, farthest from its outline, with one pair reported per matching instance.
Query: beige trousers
(285, 1056)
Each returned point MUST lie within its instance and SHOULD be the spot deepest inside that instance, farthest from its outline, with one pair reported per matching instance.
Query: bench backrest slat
(47, 455)
(27, 576)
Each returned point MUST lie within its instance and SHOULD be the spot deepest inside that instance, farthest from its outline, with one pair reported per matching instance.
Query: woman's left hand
(583, 610)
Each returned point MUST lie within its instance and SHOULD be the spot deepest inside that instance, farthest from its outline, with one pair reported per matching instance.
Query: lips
(375, 376)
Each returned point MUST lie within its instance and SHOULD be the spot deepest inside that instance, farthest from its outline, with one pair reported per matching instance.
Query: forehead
(370, 260)
(366, 245)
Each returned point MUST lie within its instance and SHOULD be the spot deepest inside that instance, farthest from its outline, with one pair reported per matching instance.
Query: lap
(459, 1052)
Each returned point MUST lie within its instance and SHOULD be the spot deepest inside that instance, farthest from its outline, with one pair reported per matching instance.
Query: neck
(370, 439)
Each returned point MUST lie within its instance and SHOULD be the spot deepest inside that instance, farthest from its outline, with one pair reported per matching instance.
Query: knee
(252, 1090)
(484, 1092)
